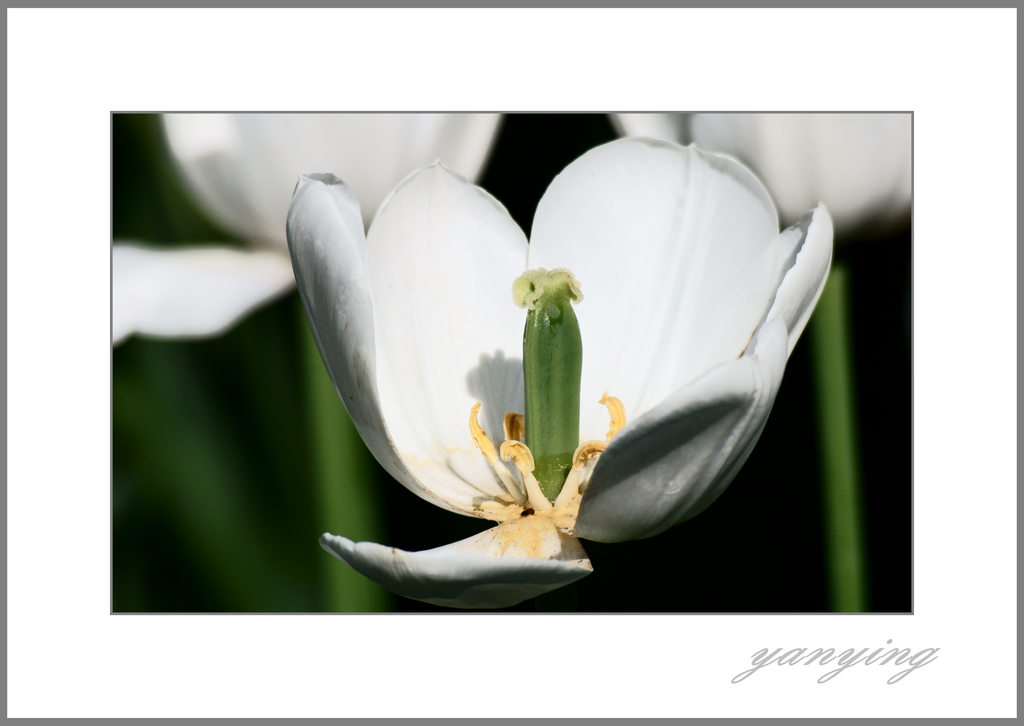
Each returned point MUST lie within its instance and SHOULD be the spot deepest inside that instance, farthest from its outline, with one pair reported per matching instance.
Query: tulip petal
(857, 164)
(497, 568)
(442, 255)
(328, 250)
(193, 292)
(804, 261)
(242, 167)
(676, 253)
(673, 462)
(667, 126)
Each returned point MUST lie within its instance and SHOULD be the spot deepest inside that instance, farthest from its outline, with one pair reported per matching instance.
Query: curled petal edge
(805, 257)
(499, 567)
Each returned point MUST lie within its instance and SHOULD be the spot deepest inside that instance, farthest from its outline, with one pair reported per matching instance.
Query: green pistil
(552, 367)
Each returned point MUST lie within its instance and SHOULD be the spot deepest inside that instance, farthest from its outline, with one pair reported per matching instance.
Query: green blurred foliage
(216, 441)
(201, 447)
(149, 201)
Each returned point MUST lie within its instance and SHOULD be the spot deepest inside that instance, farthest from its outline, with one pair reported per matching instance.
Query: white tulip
(859, 165)
(242, 169)
(692, 302)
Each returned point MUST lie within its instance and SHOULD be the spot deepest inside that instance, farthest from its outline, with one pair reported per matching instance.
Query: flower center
(526, 489)
(553, 465)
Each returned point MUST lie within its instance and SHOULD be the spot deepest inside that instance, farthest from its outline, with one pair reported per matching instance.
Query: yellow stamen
(587, 451)
(616, 411)
(487, 449)
(515, 426)
(479, 437)
(583, 455)
(520, 453)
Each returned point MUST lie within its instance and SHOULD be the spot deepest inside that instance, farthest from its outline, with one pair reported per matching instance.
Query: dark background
(213, 497)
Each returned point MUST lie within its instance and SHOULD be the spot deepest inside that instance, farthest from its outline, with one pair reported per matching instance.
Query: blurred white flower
(858, 165)
(242, 169)
(693, 302)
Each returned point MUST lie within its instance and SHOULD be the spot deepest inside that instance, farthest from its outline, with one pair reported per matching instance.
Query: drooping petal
(191, 292)
(804, 261)
(675, 250)
(242, 167)
(442, 255)
(673, 462)
(859, 165)
(499, 567)
(328, 252)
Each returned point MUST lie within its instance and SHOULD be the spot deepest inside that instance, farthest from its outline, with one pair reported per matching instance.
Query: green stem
(833, 363)
(345, 496)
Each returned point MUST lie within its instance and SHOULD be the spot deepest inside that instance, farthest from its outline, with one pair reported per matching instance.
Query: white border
(67, 69)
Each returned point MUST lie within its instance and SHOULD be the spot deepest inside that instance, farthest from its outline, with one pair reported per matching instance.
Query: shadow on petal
(497, 382)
